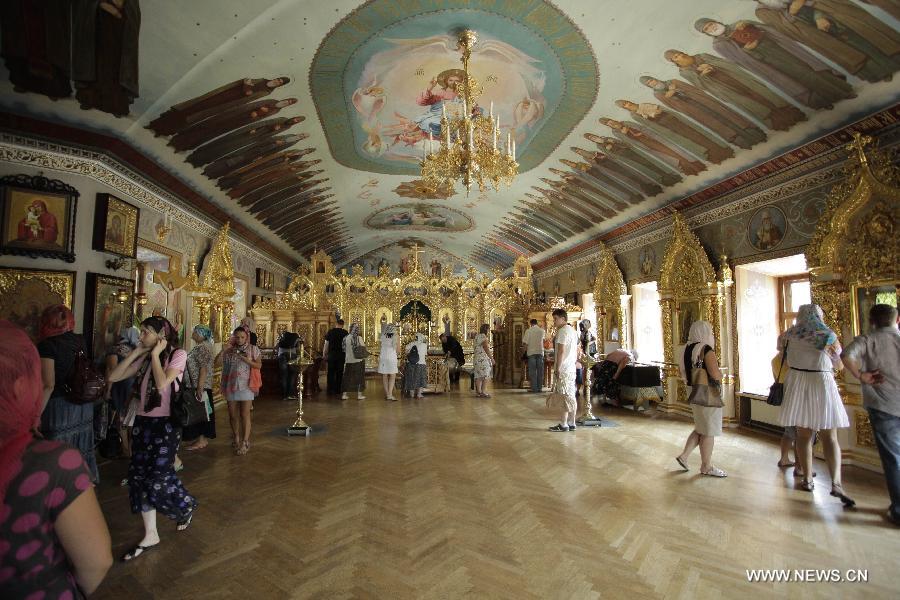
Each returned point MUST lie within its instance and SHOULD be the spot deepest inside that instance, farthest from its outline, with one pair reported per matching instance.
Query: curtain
(757, 324)
(648, 335)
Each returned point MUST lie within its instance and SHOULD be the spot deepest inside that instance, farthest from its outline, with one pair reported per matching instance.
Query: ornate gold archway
(688, 292)
(610, 298)
(855, 255)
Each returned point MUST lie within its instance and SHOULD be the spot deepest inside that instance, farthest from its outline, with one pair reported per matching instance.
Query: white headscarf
(701, 335)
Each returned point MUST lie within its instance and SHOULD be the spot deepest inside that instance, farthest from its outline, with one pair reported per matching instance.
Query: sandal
(559, 428)
(714, 472)
(782, 465)
(681, 463)
(807, 486)
(837, 490)
(798, 473)
(244, 449)
(185, 523)
(137, 551)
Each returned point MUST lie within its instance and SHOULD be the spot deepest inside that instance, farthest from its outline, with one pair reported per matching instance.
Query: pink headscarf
(56, 320)
(21, 399)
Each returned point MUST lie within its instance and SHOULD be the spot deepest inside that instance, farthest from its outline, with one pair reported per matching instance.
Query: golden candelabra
(299, 426)
(471, 145)
(587, 414)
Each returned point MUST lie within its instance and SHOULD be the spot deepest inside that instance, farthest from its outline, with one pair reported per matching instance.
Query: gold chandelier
(471, 146)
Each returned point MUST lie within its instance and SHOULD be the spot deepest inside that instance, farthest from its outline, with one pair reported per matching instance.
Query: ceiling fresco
(398, 257)
(304, 120)
(395, 66)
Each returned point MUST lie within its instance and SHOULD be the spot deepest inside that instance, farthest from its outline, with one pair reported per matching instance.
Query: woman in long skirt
(158, 364)
(354, 379)
(415, 374)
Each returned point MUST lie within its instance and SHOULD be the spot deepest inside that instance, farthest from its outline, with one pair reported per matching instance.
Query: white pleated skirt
(812, 400)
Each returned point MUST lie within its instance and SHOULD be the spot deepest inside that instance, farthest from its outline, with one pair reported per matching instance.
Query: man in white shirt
(874, 359)
(566, 356)
(533, 347)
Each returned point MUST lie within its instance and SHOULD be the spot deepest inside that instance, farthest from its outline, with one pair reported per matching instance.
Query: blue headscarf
(204, 332)
(811, 327)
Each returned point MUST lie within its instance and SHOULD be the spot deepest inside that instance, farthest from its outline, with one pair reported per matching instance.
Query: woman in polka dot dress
(158, 364)
(54, 543)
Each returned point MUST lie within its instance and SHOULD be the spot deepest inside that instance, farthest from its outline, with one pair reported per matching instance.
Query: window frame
(786, 318)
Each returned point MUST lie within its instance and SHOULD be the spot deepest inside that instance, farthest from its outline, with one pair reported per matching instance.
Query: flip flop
(782, 465)
(184, 524)
(682, 464)
(137, 551)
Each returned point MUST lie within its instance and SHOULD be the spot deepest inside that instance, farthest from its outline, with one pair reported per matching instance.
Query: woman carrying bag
(355, 354)
(700, 369)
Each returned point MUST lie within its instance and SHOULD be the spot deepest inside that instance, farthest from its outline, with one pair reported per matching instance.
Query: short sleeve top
(177, 361)
(33, 562)
(568, 339)
(61, 349)
(200, 356)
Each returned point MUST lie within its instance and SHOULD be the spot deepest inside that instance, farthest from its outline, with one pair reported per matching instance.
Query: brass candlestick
(299, 427)
(587, 414)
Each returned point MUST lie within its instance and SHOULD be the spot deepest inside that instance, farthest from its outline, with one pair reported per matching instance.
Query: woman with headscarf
(54, 539)
(482, 361)
(237, 361)
(119, 392)
(699, 368)
(415, 373)
(158, 365)
(200, 377)
(812, 402)
(354, 379)
(387, 360)
(61, 419)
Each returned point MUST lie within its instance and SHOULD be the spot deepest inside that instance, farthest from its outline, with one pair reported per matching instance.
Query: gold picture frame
(37, 217)
(25, 293)
(116, 226)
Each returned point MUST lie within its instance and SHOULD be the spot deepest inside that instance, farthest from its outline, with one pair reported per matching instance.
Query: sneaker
(559, 428)
(360, 397)
(345, 397)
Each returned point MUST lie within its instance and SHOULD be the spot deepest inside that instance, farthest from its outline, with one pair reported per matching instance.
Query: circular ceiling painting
(394, 70)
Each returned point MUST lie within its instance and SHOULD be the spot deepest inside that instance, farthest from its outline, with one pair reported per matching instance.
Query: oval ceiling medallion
(382, 77)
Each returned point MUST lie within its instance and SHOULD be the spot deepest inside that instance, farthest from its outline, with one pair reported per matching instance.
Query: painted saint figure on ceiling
(843, 33)
(779, 61)
(706, 110)
(632, 133)
(732, 84)
(631, 158)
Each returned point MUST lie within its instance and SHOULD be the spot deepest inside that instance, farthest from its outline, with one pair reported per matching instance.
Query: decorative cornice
(36, 153)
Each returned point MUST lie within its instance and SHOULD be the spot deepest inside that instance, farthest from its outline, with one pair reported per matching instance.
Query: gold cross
(416, 253)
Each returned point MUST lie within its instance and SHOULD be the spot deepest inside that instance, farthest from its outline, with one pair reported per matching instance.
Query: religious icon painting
(116, 226)
(109, 304)
(37, 217)
(25, 293)
(767, 228)
(688, 312)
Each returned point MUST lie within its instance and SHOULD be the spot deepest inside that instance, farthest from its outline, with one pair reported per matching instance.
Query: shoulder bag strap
(783, 360)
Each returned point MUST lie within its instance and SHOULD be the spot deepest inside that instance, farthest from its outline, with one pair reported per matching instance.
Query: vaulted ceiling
(305, 119)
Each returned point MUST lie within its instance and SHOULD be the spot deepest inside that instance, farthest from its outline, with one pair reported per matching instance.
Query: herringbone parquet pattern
(453, 496)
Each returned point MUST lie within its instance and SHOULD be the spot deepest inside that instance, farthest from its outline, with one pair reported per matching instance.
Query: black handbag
(185, 409)
(776, 391)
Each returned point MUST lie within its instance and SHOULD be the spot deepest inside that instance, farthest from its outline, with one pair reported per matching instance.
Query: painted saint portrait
(688, 313)
(28, 292)
(647, 260)
(767, 228)
(36, 220)
(115, 226)
(420, 217)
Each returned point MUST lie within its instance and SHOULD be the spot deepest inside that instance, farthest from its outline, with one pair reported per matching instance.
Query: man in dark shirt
(333, 351)
(453, 349)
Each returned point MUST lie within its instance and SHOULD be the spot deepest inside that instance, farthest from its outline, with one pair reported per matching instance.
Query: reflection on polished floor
(453, 496)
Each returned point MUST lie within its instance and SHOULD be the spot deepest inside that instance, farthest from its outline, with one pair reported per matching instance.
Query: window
(648, 337)
(795, 291)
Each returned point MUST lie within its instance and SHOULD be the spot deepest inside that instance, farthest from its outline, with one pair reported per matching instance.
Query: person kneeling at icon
(606, 375)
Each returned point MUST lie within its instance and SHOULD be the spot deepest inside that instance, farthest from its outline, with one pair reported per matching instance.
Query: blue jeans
(536, 371)
(887, 437)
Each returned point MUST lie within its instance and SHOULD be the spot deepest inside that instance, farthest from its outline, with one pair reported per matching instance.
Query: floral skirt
(604, 384)
(152, 482)
(482, 365)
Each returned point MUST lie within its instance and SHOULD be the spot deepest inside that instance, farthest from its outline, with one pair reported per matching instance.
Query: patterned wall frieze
(36, 153)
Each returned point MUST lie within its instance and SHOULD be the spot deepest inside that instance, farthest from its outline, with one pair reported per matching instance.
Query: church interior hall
(445, 298)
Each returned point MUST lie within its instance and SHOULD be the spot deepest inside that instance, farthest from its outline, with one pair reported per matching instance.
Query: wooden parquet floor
(453, 496)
